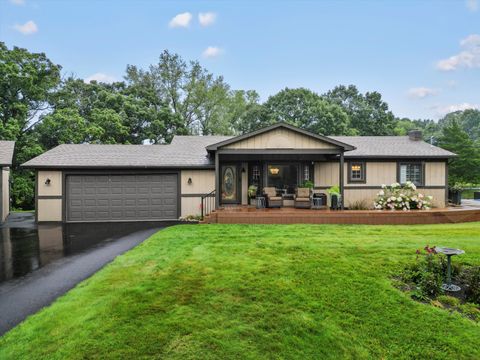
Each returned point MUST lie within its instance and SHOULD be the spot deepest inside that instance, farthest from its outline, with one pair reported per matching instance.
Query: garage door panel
(121, 197)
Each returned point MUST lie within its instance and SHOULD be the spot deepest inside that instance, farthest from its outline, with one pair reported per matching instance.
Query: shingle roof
(391, 146)
(190, 151)
(184, 151)
(6, 152)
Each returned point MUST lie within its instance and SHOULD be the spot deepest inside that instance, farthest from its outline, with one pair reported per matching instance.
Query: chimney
(415, 135)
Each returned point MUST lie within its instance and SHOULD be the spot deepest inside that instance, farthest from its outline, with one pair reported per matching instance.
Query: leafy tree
(306, 109)
(193, 94)
(466, 166)
(27, 81)
(468, 120)
(369, 114)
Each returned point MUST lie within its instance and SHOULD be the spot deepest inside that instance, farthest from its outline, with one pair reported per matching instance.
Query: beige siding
(280, 139)
(435, 174)
(5, 193)
(55, 187)
(378, 173)
(438, 196)
(191, 206)
(49, 210)
(326, 174)
(355, 195)
(203, 181)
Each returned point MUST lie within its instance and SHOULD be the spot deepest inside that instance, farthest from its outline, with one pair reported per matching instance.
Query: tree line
(40, 109)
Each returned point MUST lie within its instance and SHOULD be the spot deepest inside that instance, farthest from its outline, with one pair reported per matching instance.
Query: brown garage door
(121, 197)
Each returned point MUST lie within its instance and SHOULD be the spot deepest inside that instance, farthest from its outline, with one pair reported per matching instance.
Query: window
(356, 172)
(306, 173)
(411, 172)
(282, 176)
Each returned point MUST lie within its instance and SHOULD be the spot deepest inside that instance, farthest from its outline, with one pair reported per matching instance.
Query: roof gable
(280, 136)
(6, 152)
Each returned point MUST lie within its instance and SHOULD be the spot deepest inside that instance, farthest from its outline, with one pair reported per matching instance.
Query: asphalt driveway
(40, 263)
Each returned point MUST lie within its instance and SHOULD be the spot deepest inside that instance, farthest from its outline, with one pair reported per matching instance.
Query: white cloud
(212, 51)
(181, 20)
(206, 19)
(18, 2)
(421, 92)
(100, 77)
(26, 29)
(469, 57)
(472, 5)
(443, 110)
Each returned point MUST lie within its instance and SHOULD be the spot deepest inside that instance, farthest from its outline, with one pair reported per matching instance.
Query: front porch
(288, 215)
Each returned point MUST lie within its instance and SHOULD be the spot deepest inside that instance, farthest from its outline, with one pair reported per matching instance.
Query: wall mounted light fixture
(48, 181)
(243, 170)
(189, 181)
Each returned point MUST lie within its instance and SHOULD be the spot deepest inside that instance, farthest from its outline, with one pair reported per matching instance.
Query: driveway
(40, 263)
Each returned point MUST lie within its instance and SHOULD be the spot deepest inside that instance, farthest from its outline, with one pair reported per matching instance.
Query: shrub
(398, 197)
(470, 279)
(359, 205)
(426, 274)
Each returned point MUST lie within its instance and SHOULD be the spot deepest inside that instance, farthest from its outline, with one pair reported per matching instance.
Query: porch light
(189, 181)
(48, 181)
(274, 170)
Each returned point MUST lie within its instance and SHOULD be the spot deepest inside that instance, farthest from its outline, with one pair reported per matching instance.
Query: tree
(466, 166)
(193, 94)
(304, 108)
(27, 81)
(468, 120)
(369, 114)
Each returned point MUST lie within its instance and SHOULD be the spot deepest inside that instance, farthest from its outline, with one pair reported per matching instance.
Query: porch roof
(324, 139)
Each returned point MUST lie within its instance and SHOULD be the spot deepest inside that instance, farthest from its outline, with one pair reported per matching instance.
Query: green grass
(252, 292)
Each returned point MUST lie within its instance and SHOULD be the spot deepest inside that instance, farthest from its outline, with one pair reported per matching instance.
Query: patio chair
(273, 201)
(303, 199)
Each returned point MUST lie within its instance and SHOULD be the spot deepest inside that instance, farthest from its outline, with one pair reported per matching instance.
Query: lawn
(252, 292)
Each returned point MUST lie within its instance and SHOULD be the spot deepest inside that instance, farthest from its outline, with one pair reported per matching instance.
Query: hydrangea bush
(402, 197)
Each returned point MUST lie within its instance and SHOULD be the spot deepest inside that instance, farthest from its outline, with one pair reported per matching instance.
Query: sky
(422, 56)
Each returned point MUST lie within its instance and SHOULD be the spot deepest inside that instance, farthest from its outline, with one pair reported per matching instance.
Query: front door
(230, 184)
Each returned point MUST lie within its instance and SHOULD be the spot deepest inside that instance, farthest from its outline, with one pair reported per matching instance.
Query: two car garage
(121, 197)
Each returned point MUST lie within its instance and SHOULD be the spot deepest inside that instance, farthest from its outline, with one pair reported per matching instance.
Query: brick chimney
(415, 135)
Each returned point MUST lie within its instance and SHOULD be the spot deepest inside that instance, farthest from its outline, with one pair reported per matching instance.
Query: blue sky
(423, 56)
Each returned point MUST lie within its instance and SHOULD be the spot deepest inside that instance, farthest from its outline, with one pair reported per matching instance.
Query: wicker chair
(303, 198)
(273, 201)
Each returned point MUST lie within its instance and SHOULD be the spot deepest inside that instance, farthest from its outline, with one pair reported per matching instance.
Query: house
(6, 158)
(84, 183)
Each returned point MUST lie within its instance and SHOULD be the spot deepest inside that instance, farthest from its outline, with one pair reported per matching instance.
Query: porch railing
(208, 204)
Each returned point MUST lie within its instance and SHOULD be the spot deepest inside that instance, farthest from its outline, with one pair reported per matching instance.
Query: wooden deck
(250, 215)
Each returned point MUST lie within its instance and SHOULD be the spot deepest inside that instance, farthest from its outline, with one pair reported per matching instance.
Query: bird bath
(449, 252)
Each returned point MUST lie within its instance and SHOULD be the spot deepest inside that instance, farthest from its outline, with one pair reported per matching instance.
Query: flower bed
(402, 197)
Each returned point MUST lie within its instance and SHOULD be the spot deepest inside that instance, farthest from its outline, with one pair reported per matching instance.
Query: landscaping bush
(423, 279)
(359, 205)
(398, 197)
(470, 280)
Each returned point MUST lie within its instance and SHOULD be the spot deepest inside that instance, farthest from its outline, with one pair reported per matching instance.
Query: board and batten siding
(280, 139)
(326, 174)
(203, 182)
(49, 196)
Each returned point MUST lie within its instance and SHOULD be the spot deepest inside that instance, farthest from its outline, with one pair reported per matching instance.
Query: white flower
(381, 193)
(384, 186)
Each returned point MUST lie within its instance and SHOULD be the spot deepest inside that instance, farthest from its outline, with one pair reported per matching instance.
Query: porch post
(341, 180)
(217, 181)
